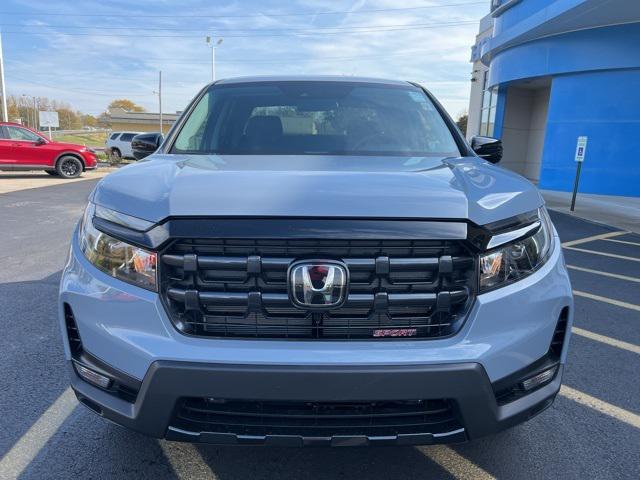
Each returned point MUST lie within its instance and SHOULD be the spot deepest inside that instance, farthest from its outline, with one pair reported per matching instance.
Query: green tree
(462, 120)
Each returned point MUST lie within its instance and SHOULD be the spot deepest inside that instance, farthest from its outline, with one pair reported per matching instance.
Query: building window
(488, 111)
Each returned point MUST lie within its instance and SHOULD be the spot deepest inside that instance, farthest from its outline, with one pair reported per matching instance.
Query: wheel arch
(70, 153)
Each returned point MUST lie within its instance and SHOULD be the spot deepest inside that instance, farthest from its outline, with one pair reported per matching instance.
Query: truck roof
(310, 78)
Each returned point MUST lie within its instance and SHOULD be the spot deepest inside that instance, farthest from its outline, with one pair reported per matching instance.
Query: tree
(128, 105)
(104, 120)
(68, 119)
(88, 120)
(462, 120)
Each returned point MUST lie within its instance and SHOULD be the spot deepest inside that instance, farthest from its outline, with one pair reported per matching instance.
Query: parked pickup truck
(316, 261)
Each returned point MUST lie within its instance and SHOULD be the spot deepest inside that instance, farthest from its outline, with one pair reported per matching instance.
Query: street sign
(49, 119)
(581, 148)
(581, 151)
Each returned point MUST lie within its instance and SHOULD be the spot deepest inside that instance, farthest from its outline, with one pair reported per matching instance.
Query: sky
(90, 52)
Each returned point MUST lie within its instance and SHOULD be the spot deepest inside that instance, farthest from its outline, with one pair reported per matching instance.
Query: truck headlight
(115, 257)
(517, 259)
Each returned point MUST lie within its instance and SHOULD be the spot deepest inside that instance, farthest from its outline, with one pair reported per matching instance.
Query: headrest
(263, 126)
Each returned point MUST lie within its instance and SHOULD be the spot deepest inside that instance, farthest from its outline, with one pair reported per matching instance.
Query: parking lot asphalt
(591, 431)
(16, 181)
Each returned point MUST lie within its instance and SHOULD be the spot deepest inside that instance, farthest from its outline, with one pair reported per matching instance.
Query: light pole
(159, 93)
(213, 56)
(3, 91)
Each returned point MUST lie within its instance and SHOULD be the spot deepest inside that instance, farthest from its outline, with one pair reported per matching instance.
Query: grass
(90, 139)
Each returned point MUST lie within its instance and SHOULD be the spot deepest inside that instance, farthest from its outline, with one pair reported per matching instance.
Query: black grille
(559, 334)
(81, 357)
(509, 389)
(75, 344)
(238, 288)
(315, 419)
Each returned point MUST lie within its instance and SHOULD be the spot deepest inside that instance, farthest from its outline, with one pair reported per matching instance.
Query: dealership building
(546, 72)
(125, 121)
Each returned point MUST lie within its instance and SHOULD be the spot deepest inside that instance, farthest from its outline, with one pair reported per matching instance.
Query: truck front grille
(238, 288)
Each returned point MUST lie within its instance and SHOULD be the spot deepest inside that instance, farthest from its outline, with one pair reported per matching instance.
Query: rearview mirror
(487, 148)
(145, 144)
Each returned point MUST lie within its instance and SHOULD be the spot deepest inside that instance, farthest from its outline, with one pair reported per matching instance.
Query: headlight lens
(115, 257)
(518, 259)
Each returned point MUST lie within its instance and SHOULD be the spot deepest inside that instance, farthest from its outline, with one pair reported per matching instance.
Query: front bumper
(506, 332)
(90, 160)
(154, 411)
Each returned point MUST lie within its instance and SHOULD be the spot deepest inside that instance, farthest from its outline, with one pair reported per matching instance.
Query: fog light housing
(93, 377)
(539, 379)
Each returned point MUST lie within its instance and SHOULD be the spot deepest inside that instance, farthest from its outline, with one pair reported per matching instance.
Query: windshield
(315, 118)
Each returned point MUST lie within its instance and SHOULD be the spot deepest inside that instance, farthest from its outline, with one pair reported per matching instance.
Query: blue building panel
(603, 48)
(605, 106)
(588, 52)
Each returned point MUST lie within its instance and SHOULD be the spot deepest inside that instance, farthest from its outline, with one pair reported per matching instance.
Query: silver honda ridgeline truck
(315, 261)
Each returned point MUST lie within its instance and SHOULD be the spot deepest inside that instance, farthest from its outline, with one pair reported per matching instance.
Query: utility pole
(213, 56)
(3, 91)
(160, 99)
(159, 93)
(36, 125)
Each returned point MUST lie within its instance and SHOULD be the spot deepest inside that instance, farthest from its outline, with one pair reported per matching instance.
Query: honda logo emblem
(318, 284)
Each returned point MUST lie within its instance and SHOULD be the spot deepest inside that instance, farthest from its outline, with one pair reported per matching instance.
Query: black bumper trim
(167, 381)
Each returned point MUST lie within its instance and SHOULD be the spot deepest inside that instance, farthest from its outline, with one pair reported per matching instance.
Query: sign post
(581, 150)
(48, 119)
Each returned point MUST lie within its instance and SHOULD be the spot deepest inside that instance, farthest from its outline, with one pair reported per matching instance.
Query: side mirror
(487, 148)
(145, 144)
(40, 141)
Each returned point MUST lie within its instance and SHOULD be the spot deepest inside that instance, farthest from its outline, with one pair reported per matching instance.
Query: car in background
(145, 144)
(118, 144)
(22, 148)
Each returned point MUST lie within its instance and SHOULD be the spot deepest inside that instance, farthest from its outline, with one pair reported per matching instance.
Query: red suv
(22, 148)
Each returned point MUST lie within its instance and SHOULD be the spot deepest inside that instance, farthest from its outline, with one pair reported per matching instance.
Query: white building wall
(477, 75)
(537, 127)
(523, 130)
(475, 99)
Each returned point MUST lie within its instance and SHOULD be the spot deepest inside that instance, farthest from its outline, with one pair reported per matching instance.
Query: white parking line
(608, 340)
(611, 301)
(604, 254)
(626, 242)
(454, 463)
(602, 236)
(186, 461)
(605, 274)
(29, 445)
(603, 407)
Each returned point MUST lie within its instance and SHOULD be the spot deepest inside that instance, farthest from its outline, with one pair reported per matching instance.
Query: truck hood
(164, 186)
